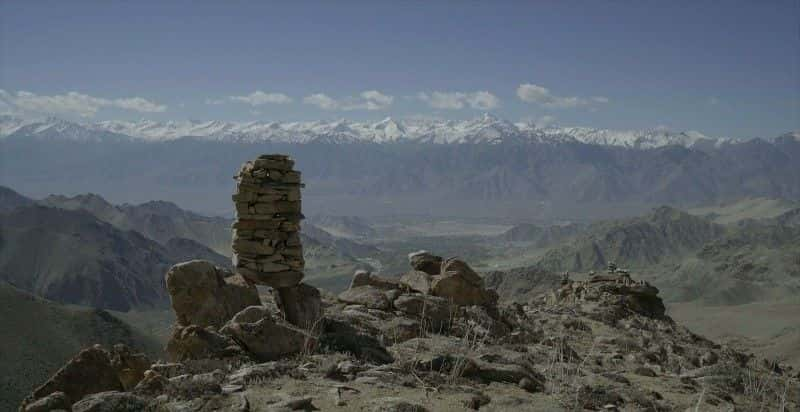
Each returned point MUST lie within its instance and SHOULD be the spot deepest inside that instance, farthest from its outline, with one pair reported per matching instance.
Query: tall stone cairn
(266, 241)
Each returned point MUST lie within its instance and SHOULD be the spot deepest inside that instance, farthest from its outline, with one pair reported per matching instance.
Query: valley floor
(767, 329)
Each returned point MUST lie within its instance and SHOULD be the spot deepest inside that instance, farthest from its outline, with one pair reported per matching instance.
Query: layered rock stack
(266, 241)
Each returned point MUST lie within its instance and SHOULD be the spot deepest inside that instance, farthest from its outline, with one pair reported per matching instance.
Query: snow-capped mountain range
(482, 129)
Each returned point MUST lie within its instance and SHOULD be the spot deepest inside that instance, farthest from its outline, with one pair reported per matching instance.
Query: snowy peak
(484, 129)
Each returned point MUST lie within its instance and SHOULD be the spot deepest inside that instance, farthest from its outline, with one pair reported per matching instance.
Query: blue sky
(723, 68)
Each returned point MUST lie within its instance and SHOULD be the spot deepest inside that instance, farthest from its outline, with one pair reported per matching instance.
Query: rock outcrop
(203, 294)
(195, 342)
(264, 337)
(90, 371)
(301, 305)
(425, 262)
(616, 293)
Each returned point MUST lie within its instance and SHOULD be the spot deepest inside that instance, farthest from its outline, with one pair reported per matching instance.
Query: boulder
(342, 336)
(368, 296)
(90, 371)
(425, 262)
(301, 305)
(365, 278)
(267, 338)
(250, 314)
(481, 321)
(360, 278)
(417, 280)
(152, 384)
(111, 402)
(199, 385)
(433, 310)
(52, 402)
(461, 285)
(504, 372)
(400, 329)
(130, 366)
(206, 295)
(195, 342)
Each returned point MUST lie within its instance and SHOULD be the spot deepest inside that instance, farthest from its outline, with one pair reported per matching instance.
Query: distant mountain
(479, 167)
(690, 258)
(158, 220)
(71, 256)
(39, 336)
(755, 261)
(789, 218)
(10, 200)
(664, 233)
(484, 129)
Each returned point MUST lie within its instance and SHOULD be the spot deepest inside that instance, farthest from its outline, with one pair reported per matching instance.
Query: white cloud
(375, 100)
(481, 100)
(74, 103)
(139, 104)
(258, 98)
(533, 93)
(713, 100)
(367, 100)
(323, 101)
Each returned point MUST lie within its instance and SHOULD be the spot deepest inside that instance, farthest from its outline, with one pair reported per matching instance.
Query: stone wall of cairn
(266, 239)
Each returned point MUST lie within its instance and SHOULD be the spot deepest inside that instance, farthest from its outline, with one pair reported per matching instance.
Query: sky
(722, 68)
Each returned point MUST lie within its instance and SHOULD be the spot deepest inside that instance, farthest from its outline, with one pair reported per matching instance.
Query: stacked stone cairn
(266, 239)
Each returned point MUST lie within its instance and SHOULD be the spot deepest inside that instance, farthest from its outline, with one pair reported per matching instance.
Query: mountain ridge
(483, 129)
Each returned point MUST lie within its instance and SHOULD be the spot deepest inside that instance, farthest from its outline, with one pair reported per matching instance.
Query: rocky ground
(434, 340)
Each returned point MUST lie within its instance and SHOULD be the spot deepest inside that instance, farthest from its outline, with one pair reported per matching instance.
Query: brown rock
(368, 296)
(152, 384)
(268, 339)
(434, 311)
(111, 402)
(360, 278)
(301, 305)
(130, 366)
(206, 295)
(365, 278)
(417, 280)
(52, 402)
(459, 284)
(195, 342)
(425, 262)
(90, 371)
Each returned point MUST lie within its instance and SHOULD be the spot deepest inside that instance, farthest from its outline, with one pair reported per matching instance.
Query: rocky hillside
(522, 284)
(70, 256)
(10, 200)
(157, 220)
(39, 336)
(663, 234)
(436, 340)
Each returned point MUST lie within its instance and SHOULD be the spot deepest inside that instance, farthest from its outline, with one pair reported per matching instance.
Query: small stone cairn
(266, 240)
